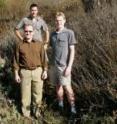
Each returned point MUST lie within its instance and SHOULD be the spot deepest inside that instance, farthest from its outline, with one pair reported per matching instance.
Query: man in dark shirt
(30, 60)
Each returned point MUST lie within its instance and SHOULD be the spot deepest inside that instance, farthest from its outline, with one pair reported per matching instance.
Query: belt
(30, 68)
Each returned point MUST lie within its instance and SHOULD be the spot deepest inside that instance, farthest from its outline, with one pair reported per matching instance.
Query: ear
(65, 21)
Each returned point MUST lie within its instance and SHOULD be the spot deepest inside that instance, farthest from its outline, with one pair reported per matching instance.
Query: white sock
(61, 103)
(73, 109)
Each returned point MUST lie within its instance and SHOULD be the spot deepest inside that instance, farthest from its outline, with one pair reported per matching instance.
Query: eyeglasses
(28, 31)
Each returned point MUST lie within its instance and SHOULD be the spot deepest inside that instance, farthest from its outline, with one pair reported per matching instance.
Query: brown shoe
(27, 116)
(37, 112)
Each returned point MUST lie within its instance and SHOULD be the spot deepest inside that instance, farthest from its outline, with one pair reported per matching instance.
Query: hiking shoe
(61, 110)
(73, 113)
(27, 116)
(37, 112)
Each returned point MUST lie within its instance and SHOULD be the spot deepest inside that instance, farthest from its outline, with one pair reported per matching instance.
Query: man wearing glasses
(30, 61)
(38, 24)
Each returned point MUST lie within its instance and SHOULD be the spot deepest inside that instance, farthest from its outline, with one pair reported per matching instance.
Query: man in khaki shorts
(30, 67)
(62, 41)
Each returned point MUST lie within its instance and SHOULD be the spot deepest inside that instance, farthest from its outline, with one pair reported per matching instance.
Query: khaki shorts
(56, 75)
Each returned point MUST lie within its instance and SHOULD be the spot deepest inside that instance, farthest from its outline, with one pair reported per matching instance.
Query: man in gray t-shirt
(63, 43)
(60, 42)
(38, 23)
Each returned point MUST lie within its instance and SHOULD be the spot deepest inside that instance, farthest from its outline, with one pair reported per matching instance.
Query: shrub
(95, 66)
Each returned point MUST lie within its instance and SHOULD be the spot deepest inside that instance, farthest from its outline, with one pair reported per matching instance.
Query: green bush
(2, 3)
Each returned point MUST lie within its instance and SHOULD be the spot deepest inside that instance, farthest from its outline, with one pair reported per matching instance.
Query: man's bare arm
(47, 35)
(70, 61)
(18, 34)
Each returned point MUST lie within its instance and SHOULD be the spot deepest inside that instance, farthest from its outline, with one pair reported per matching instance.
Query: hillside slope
(95, 67)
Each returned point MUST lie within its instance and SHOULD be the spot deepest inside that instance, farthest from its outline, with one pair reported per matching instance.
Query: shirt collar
(24, 40)
(37, 17)
(64, 30)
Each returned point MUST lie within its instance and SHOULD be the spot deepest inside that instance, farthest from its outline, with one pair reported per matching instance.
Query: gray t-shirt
(39, 26)
(60, 43)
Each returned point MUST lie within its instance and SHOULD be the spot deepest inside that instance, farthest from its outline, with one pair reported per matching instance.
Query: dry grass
(95, 67)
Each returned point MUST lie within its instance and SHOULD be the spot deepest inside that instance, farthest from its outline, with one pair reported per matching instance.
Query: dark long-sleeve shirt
(29, 55)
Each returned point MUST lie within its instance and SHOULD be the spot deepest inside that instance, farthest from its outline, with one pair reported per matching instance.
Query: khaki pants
(31, 87)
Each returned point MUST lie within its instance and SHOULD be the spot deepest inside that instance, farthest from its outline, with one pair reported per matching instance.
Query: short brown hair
(33, 5)
(61, 14)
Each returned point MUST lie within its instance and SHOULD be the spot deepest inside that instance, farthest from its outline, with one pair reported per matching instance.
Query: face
(28, 32)
(60, 21)
(34, 11)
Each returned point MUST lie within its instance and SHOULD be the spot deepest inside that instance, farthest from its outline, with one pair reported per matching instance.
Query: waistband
(30, 68)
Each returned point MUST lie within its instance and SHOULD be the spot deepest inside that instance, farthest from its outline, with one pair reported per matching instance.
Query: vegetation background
(95, 66)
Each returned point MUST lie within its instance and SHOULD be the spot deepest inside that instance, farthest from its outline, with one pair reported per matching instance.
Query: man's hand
(67, 71)
(45, 46)
(17, 78)
(44, 75)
